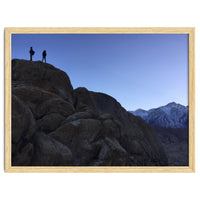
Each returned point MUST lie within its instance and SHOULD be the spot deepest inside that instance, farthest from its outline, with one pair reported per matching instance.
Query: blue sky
(138, 70)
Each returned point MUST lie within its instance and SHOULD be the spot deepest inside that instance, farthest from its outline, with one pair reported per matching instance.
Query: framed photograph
(99, 100)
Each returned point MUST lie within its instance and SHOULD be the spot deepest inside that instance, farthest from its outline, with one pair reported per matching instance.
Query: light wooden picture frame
(124, 30)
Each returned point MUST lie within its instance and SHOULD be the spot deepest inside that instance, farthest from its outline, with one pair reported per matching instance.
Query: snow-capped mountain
(172, 115)
(140, 112)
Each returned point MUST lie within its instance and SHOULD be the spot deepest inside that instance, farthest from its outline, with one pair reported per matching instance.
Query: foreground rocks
(54, 125)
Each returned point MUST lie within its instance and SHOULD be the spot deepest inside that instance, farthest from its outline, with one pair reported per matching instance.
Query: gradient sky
(138, 70)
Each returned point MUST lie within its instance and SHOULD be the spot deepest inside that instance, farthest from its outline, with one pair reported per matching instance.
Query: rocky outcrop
(54, 125)
(23, 129)
(43, 76)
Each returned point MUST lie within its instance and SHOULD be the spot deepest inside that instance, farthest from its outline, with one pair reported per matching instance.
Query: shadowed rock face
(54, 125)
(43, 76)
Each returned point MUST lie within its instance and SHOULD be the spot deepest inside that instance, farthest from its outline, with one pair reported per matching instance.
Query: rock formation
(54, 125)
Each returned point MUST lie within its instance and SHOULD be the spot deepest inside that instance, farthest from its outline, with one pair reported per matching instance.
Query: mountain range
(171, 124)
(172, 115)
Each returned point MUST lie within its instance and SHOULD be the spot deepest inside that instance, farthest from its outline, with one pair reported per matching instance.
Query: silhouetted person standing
(44, 54)
(31, 53)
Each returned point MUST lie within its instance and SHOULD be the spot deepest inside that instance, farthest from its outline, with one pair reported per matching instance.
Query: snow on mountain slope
(172, 115)
(140, 112)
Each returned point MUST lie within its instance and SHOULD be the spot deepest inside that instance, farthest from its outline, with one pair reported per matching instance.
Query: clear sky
(138, 70)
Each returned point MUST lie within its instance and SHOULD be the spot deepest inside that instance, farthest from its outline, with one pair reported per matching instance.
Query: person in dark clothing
(44, 54)
(31, 53)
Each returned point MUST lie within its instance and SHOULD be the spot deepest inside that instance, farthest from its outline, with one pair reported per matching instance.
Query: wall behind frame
(105, 13)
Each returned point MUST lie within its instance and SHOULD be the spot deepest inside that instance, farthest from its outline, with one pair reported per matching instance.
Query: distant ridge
(172, 115)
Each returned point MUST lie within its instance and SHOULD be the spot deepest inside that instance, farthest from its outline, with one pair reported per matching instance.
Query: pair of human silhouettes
(44, 54)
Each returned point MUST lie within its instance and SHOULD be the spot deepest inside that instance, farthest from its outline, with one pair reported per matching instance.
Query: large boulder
(42, 75)
(42, 102)
(82, 100)
(23, 129)
(136, 136)
(81, 137)
(50, 152)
